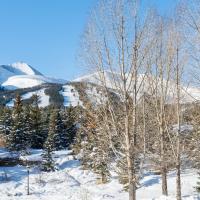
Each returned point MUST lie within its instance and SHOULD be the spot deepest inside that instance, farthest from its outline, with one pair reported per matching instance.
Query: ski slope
(71, 96)
(43, 98)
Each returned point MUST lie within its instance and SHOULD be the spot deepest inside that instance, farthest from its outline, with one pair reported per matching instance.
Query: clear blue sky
(46, 33)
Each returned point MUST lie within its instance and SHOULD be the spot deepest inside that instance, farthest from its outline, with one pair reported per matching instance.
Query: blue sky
(46, 33)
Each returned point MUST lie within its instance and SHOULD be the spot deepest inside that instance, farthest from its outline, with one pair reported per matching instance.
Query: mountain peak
(25, 68)
(22, 75)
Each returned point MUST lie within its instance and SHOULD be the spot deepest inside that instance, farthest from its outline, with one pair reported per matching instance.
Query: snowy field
(70, 182)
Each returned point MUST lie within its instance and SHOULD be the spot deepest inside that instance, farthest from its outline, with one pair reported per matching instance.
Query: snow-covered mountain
(113, 81)
(96, 79)
(22, 75)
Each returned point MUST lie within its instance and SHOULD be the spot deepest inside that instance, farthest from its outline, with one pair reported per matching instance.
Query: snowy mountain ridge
(22, 75)
(24, 68)
(113, 81)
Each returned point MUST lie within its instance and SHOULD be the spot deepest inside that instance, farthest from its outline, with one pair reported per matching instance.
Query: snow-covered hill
(26, 81)
(113, 81)
(22, 75)
(69, 95)
(96, 79)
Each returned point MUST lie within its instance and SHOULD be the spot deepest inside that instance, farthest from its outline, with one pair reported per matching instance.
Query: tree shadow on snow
(14, 173)
(150, 182)
(70, 164)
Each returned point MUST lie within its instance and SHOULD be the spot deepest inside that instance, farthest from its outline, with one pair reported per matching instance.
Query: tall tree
(69, 118)
(5, 123)
(93, 144)
(118, 41)
(37, 133)
(27, 127)
(17, 136)
(57, 133)
(48, 163)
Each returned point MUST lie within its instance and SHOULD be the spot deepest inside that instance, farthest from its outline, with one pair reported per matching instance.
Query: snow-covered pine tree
(27, 127)
(69, 116)
(5, 124)
(94, 146)
(5, 121)
(37, 134)
(47, 156)
(57, 131)
(198, 184)
(17, 137)
(52, 142)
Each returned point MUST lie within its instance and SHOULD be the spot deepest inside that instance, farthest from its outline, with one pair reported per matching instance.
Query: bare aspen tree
(117, 43)
(178, 159)
(160, 85)
(177, 61)
(163, 91)
(180, 62)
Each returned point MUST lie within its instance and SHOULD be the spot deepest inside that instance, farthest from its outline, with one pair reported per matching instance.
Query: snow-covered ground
(71, 96)
(44, 99)
(70, 182)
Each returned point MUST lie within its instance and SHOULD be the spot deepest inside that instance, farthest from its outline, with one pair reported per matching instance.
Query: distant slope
(71, 96)
(49, 94)
(43, 98)
(188, 94)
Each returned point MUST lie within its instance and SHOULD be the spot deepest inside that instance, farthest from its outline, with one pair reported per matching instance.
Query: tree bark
(163, 166)
(164, 181)
(178, 159)
(178, 182)
(132, 185)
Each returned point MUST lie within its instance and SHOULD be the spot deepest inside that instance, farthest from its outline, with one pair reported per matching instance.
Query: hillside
(22, 78)
(113, 81)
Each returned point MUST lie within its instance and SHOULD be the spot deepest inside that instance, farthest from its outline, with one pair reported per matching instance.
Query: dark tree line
(28, 126)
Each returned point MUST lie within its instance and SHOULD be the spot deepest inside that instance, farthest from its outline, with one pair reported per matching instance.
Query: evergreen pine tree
(69, 116)
(17, 137)
(27, 127)
(93, 145)
(198, 184)
(5, 121)
(47, 157)
(5, 124)
(37, 135)
(57, 131)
